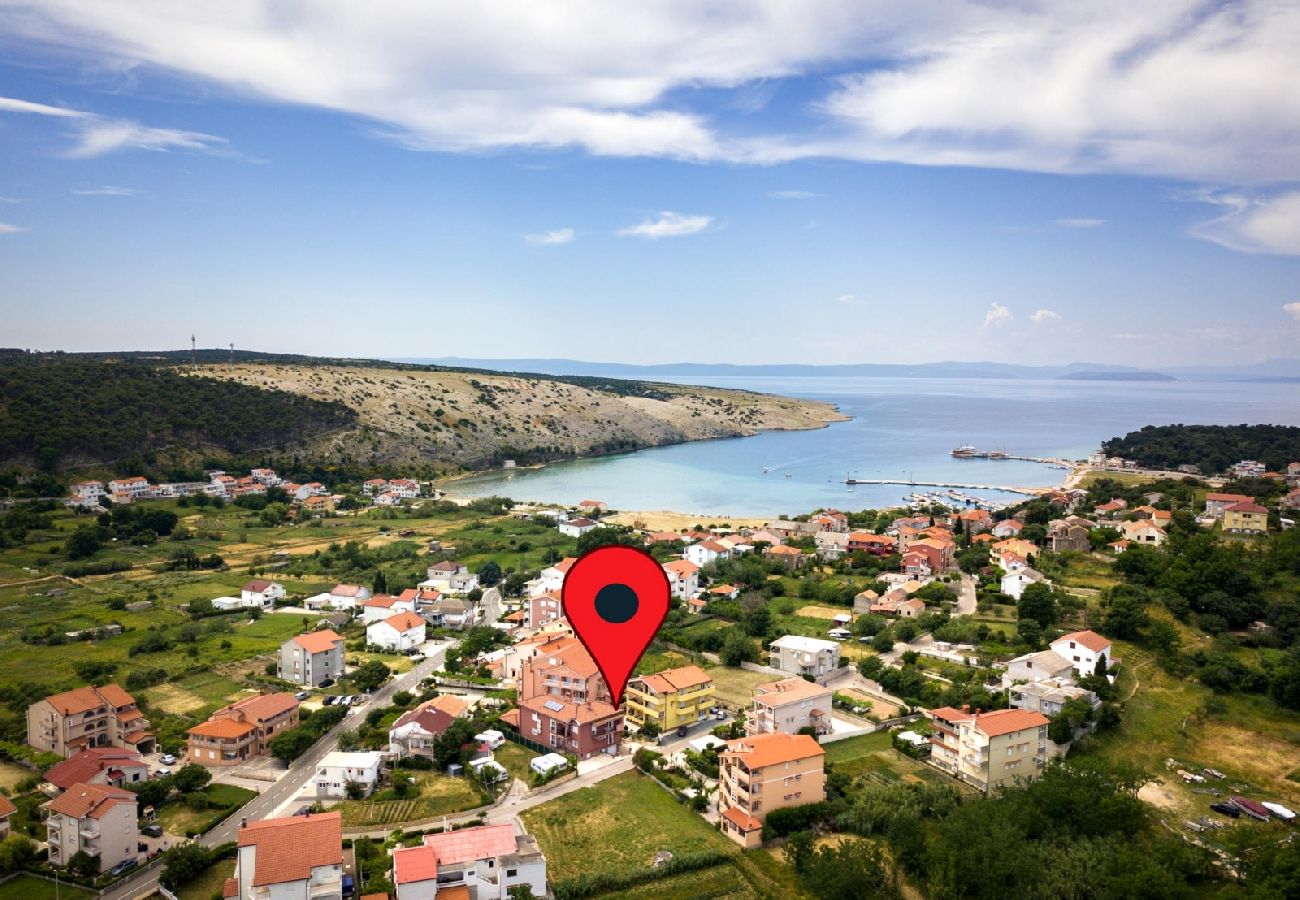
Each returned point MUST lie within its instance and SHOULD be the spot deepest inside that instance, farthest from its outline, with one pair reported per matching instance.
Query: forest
(72, 411)
(1213, 448)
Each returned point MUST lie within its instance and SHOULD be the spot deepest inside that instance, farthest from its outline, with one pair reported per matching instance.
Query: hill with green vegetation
(1210, 447)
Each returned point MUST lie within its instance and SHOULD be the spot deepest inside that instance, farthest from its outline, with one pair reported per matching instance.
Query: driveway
(966, 596)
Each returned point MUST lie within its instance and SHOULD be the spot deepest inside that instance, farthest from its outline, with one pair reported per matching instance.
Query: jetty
(1027, 491)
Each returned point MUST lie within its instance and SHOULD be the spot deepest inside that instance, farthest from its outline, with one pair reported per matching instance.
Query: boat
(789, 474)
(1252, 809)
(1277, 809)
(965, 451)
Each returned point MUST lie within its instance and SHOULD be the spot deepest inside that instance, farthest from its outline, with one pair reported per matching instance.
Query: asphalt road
(294, 779)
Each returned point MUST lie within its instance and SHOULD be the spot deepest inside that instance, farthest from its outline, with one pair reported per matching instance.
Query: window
(511, 873)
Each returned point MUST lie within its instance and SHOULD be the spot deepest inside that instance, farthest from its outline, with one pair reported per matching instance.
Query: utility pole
(194, 355)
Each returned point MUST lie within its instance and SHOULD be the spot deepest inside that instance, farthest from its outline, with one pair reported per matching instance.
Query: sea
(901, 429)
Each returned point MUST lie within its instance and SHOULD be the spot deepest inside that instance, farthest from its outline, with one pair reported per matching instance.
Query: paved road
(295, 778)
(966, 596)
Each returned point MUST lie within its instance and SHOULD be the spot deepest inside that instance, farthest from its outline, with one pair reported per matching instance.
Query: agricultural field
(439, 795)
(735, 687)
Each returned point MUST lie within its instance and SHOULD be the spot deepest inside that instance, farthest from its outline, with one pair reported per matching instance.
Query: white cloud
(1173, 88)
(108, 190)
(668, 224)
(1293, 310)
(1079, 223)
(12, 200)
(97, 135)
(851, 300)
(794, 195)
(1043, 316)
(10, 229)
(996, 315)
(1253, 224)
(553, 237)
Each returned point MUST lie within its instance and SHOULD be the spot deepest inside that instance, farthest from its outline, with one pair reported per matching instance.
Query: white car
(161, 772)
(167, 759)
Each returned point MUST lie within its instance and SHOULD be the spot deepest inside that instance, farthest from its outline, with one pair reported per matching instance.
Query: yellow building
(764, 772)
(1245, 518)
(669, 699)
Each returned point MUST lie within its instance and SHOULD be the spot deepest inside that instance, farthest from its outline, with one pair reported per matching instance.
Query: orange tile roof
(742, 820)
(1006, 721)
(672, 680)
(78, 700)
(1090, 639)
(571, 655)
(222, 728)
(81, 767)
(582, 713)
(452, 706)
(566, 564)
(6, 806)
(318, 641)
(288, 849)
(92, 801)
(384, 601)
(404, 621)
(762, 750)
(411, 864)
(469, 844)
(789, 689)
(264, 706)
(682, 567)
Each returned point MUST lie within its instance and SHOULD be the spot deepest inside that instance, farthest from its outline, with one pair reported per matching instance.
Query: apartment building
(670, 699)
(764, 772)
(800, 655)
(94, 819)
(287, 859)
(1083, 649)
(337, 769)
(241, 731)
(990, 749)
(788, 706)
(112, 766)
(483, 862)
(104, 716)
(312, 658)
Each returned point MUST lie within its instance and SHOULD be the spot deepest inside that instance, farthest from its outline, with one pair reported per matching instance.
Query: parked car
(123, 866)
(720, 715)
(683, 731)
(345, 700)
(1228, 809)
(330, 700)
(302, 695)
(153, 831)
(167, 759)
(161, 771)
(328, 682)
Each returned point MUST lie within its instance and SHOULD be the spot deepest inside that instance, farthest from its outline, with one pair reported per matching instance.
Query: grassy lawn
(658, 660)
(29, 887)
(210, 883)
(439, 795)
(196, 695)
(11, 774)
(178, 818)
(722, 882)
(873, 757)
(736, 686)
(617, 826)
(515, 758)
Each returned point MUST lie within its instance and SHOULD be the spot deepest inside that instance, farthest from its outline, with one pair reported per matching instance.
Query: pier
(1027, 491)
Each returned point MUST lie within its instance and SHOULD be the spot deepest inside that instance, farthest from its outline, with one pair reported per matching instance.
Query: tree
(883, 642)
(737, 647)
(871, 667)
(83, 543)
(184, 863)
(16, 851)
(849, 871)
(489, 574)
(289, 745)
(355, 790)
(521, 892)
(1038, 602)
(757, 621)
(370, 675)
(380, 582)
(83, 865)
(192, 777)
(153, 792)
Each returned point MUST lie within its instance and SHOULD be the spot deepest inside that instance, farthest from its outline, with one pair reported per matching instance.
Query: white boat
(1279, 810)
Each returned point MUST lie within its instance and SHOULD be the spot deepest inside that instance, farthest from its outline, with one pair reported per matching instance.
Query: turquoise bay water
(902, 428)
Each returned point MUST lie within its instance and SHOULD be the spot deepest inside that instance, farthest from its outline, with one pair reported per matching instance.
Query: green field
(210, 883)
(178, 819)
(735, 687)
(439, 795)
(617, 826)
(29, 887)
(515, 758)
(721, 882)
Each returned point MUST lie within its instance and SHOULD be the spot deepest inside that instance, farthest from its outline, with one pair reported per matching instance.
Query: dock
(1027, 491)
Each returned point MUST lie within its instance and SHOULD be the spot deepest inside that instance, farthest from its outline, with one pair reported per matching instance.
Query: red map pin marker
(616, 598)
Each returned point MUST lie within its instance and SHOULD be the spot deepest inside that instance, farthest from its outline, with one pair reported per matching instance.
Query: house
(1143, 531)
(696, 605)
(1083, 649)
(911, 608)
(543, 608)
(862, 602)
(724, 592)
(262, 593)
(1245, 517)
(488, 861)
(669, 699)
(404, 488)
(789, 706)
(1118, 547)
(937, 552)
(763, 536)
(1007, 528)
(134, 488)
(337, 769)
(583, 729)
(1026, 549)
(786, 529)
(1063, 535)
(1291, 500)
(790, 557)
(383, 606)
(87, 493)
(348, 596)
(373, 486)
(551, 579)
(875, 544)
(1248, 468)
(416, 731)
(974, 521)
(104, 716)
(800, 655)
(706, 552)
(831, 544)
(7, 809)
(916, 564)
(401, 632)
(450, 577)
(388, 498)
(242, 731)
(988, 750)
(576, 528)
(451, 612)
(301, 856)
(592, 507)
(265, 476)
(1216, 503)
(112, 766)
(1014, 583)
(94, 819)
(830, 520)
(683, 578)
(663, 537)
(1048, 696)
(1110, 509)
(317, 504)
(562, 668)
(762, 772)
(312, 658)
(1037, 667)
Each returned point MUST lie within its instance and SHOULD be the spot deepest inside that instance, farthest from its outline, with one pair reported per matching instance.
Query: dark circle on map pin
(616, 603)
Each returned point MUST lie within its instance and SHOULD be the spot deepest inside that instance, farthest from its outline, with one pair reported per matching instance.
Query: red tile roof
(288, 849)
(318, 641)
(469, 844)
(6, 807)
(742, 820)
(1006, 721)
(403, 621)
(1247, 506)
(762, 750)
(679, 679)
(1090, 639)
(93, 801)
(83, 766)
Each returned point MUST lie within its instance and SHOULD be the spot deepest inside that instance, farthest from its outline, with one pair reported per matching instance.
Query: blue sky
(717, 184)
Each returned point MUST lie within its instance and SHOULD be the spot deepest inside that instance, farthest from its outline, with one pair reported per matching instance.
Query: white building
(683, 578)
(337, 769)
(551, 579)
(1015, 581)
(383, 606)
(88, 492)
(262, 593)
(348, 596)
(290, 859)
(401, 632)
(706, 552)
(96, 819)
(483, 862)
(1037, 667)
(135, 487)
(1082, 649)
(577, 527)
(800, 655)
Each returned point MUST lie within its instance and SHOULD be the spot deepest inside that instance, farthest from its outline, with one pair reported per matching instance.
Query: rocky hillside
(470, 420)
